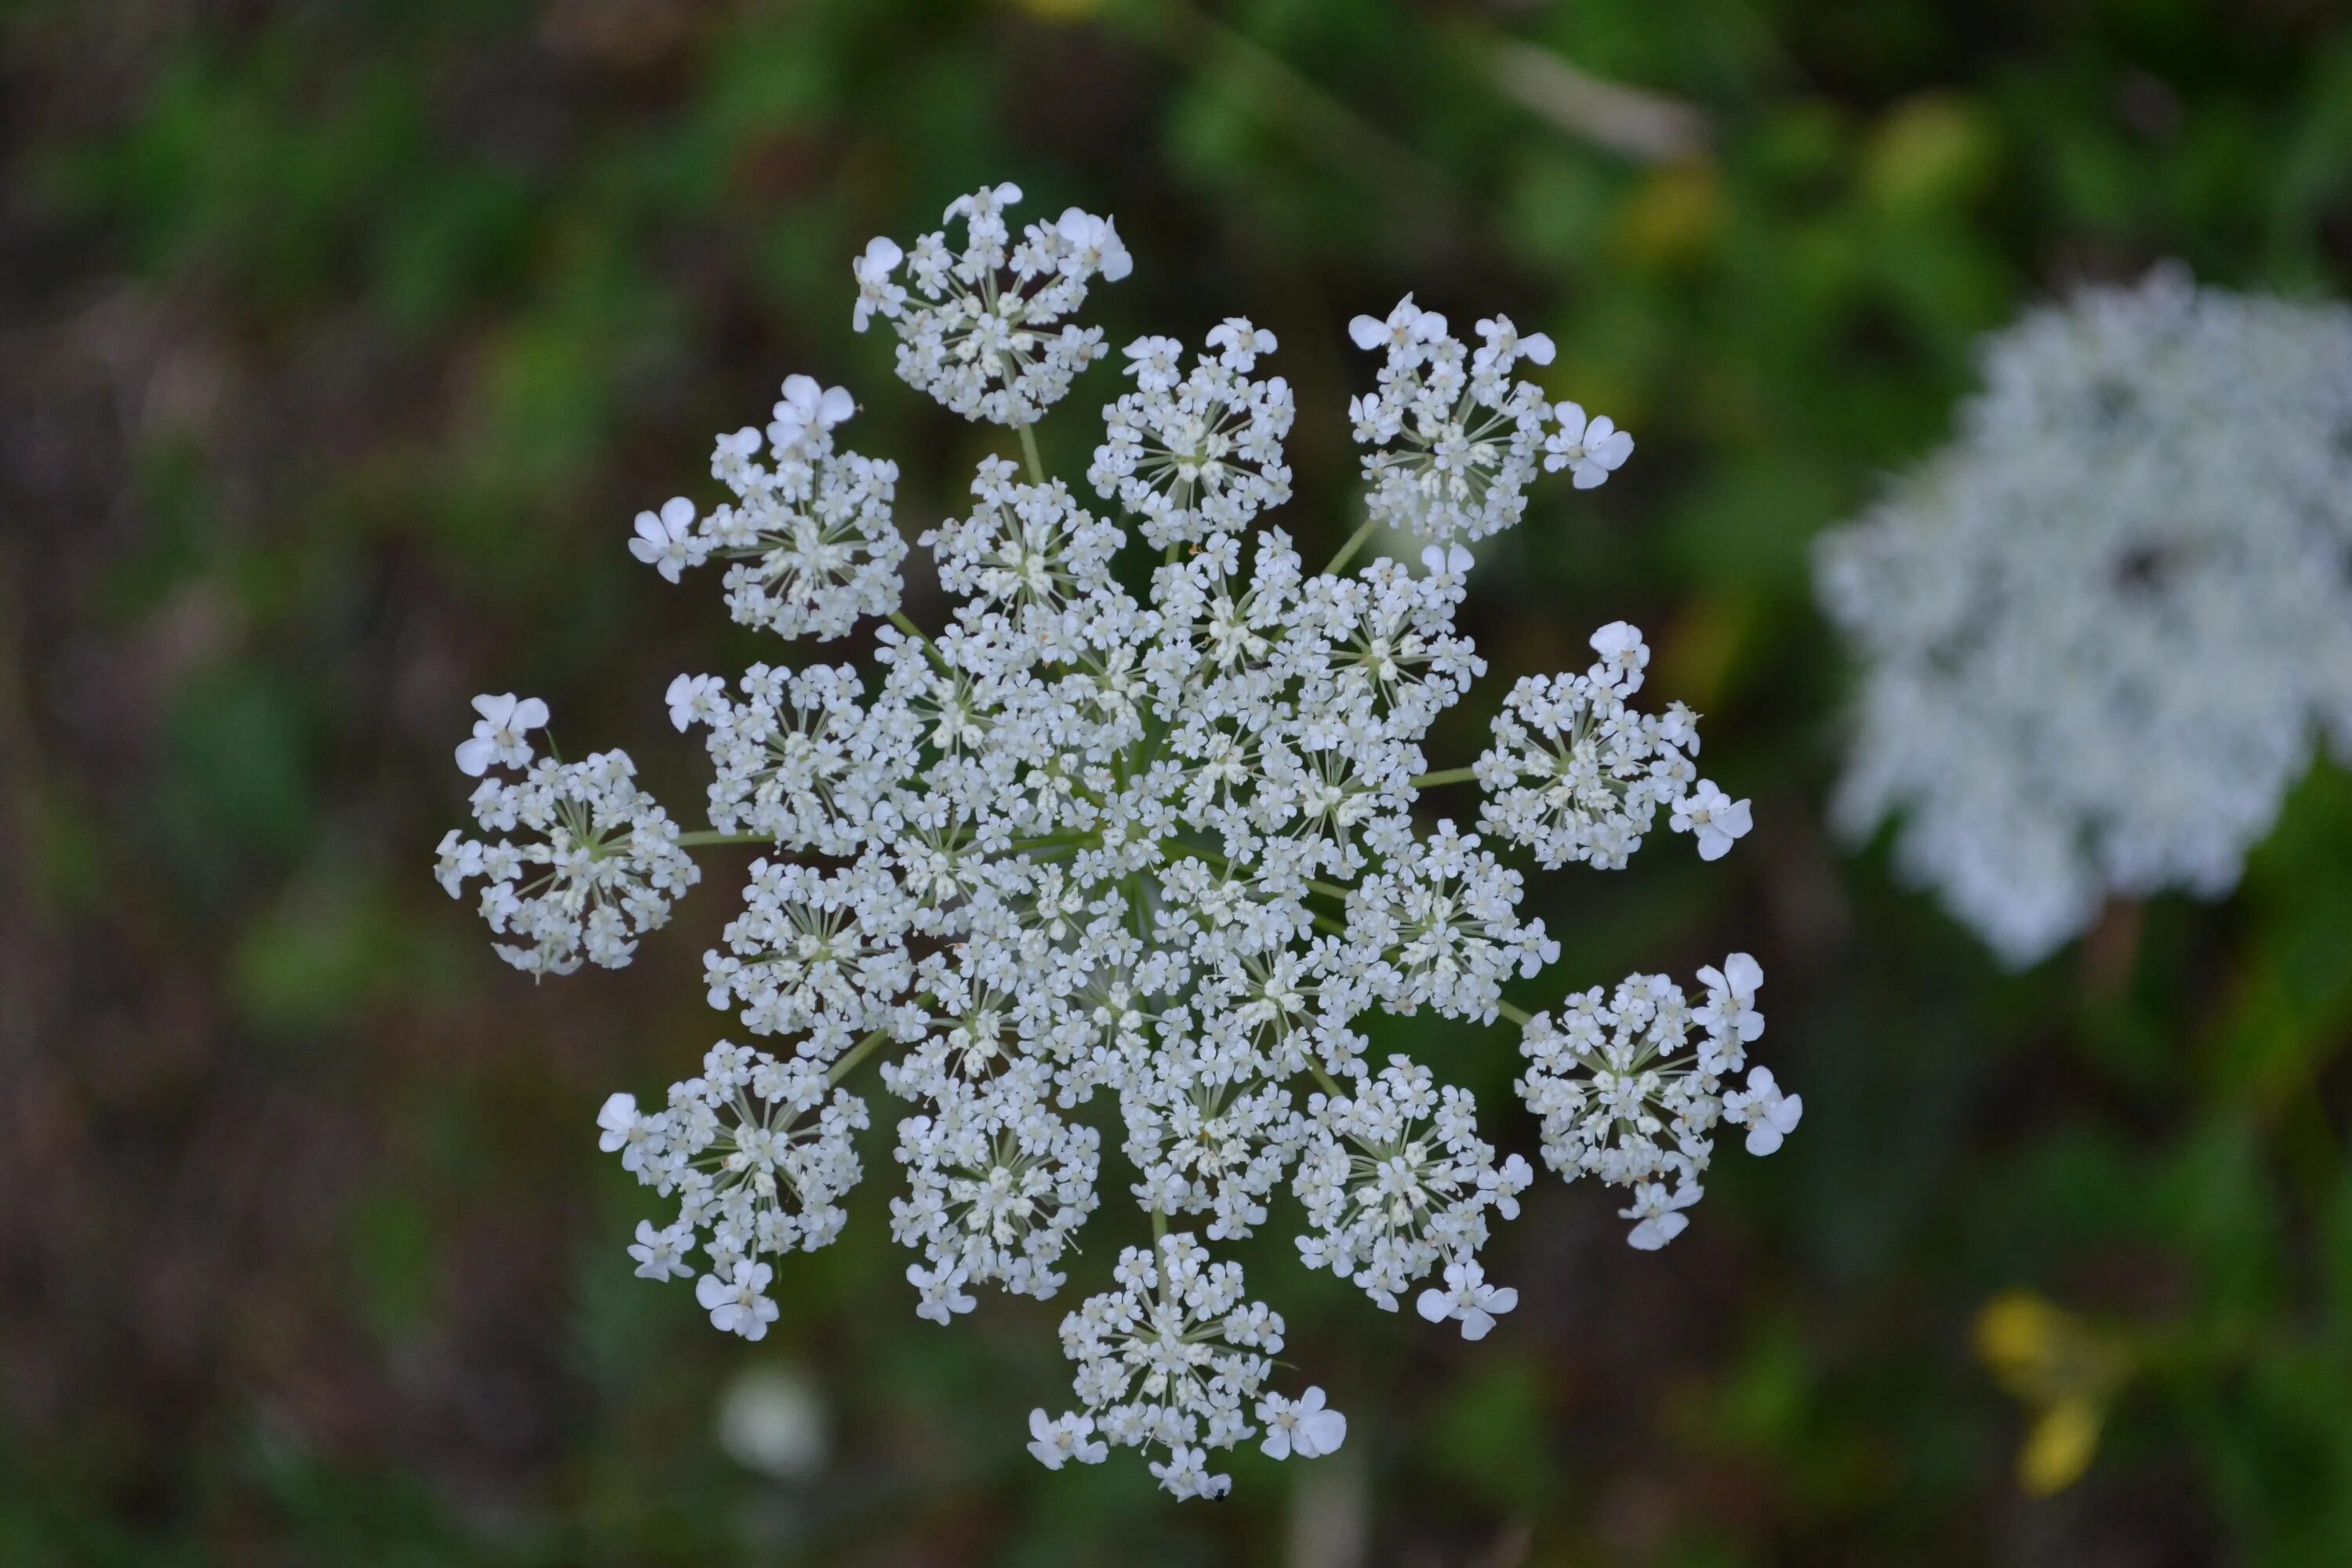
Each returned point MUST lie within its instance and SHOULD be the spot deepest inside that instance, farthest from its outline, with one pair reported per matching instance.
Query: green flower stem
(1446, 776)
(1029, 454)
(900, 619)
(855, 1055)
(713, 836)
(1328, 889)
(1056, 841)
(1348, 551)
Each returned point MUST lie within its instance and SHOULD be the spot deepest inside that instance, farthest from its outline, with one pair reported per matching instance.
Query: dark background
(339, 342)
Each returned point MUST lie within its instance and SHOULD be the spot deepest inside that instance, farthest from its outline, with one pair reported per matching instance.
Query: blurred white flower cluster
(2105, 629)
(1080, 850)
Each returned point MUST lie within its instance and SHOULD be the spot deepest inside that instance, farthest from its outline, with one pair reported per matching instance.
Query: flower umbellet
(1078, 850)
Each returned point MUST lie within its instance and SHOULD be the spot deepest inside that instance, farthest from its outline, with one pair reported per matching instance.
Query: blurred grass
(339, 344)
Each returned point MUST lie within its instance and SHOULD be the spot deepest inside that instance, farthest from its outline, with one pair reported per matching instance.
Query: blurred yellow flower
(1673, 215)
(1934, 148)
(2058, 1448)
(2067, 1369)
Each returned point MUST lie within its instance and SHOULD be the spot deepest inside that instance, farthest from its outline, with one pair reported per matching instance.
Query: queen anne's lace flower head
(1086, 853)
(1626, 1097)
(599, 864)
(1395, 1179)
(1457, 440)
(1173, 1358)
(979, 330)
(1202, 455)
(1575, 774)
(2105, 629)
(758, 1152)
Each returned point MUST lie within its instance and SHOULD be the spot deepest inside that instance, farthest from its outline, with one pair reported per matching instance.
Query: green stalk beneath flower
(1348, 551)
(900, 619)
(856, 1055)
(1056, 841)
(1446, 776)
(1328, 889)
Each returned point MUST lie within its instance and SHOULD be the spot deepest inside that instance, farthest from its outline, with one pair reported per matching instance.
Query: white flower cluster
(1083, 847)
(997, 1184)
(601, 865)
(787, 774)
(1459, 440)
(2106, 629)
(1390, 1197)
(978, 331)
(758, 1152)
(1203, 454)
(1172, 1357)
(810, 535)
(1622, 1100)
(1574, 775)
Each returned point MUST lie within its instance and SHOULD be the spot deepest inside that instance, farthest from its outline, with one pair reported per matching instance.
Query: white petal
(1745, 975)
(1322, 1433)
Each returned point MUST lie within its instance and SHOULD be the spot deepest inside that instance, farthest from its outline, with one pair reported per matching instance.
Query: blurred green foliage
(342, 340)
